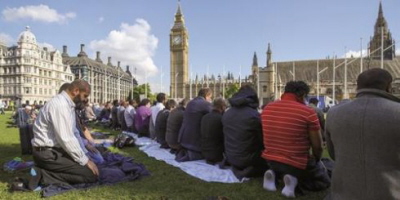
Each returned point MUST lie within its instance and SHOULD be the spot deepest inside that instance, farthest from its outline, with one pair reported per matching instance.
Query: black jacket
(242, 129)
(212, 137)
(161, 126)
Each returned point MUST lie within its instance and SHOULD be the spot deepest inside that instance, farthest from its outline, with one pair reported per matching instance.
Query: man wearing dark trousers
(56, 151)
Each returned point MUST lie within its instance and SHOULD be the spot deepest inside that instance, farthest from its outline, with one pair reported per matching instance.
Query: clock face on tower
(177, 39)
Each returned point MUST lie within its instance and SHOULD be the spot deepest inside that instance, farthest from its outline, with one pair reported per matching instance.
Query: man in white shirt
(56, 151)
(2, 106)
(129, 115)
(161, 99)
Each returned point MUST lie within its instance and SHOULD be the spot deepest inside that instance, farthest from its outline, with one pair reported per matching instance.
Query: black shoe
(19, 185)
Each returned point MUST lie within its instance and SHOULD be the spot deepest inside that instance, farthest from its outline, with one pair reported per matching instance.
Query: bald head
(375, 78)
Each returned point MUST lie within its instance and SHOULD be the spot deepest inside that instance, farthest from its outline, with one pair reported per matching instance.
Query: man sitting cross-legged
(190, 134)
(212, 137)
(290, 129)
(174, 123)
(243, 134)
(161, 123)
(363, 138)
(56, 151)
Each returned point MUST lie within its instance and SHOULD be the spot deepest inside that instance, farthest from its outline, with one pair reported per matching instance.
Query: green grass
(165, 180)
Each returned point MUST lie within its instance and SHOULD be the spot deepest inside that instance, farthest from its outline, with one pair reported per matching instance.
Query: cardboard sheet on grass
(199, 169)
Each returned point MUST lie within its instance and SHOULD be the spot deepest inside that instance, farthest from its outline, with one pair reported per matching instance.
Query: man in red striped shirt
(290, 129)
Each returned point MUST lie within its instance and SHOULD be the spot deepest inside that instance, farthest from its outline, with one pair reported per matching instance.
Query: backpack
(123, 140)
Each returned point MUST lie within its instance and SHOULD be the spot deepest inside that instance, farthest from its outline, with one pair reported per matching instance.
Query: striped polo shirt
(285, 126)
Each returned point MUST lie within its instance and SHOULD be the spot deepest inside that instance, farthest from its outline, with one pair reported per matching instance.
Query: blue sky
(222, 33)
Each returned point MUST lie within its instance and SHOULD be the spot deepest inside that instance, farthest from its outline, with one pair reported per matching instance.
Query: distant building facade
(270, 79)
(332, 80)
(108, 82)
(29, 73)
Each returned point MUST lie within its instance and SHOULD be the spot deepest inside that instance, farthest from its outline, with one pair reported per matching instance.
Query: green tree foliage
(139, 93)
(231, 89)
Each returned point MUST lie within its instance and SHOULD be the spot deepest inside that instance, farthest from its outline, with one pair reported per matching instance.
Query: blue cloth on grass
(116, 168)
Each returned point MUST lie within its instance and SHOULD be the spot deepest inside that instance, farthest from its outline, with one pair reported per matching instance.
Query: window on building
(264, 88)
(45, 91)
(40, 90)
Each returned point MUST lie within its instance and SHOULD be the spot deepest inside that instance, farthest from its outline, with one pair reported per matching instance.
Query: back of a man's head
(170, 104)
(64, 87)
(184, 102)
(79, 84)
(299, 88)
(132, 102)
(219, 104)
(204, 92)
(375, 78)
(161, 97)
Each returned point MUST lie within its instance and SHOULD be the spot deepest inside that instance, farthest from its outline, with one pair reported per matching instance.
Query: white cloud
(45, 44)
(133, 45)
(100, 20)
(40, 12)
(6, 39)
(355, 54)
(397, 52)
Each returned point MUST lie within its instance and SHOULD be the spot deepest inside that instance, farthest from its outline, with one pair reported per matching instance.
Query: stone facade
(108, 82)
(30, 73)
(336, 76)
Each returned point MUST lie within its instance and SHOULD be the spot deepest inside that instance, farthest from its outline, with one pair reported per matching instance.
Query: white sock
(269, 180)
(290, 186)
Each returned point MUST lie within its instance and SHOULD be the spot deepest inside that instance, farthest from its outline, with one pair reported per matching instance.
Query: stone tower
(381, 28)
(179, 46)
(270, 75)
(255, 71)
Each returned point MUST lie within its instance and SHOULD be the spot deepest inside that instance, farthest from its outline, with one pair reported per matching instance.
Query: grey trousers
(56, 166)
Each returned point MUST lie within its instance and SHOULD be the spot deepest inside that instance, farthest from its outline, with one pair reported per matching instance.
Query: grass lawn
(165, 180)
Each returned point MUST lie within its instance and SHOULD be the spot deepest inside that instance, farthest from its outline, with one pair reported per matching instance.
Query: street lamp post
(276, 81)
(223, 82)
(293, 72)
(161, 79)
(382, 50)
(240, 76)
(190, 87)
(333, 77)
(318, 79)
(176, 85)
(346, 94)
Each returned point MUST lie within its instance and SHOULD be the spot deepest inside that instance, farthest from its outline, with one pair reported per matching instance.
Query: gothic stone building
(274, 75)
(270, 79)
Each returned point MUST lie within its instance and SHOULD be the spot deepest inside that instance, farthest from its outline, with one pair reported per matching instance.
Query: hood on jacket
(246, 96)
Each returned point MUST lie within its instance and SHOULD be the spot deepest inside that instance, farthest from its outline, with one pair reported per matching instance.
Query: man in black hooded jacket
(243, 134)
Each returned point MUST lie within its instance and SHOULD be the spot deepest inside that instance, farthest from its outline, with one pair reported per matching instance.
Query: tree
(139, 93)
(231, 90)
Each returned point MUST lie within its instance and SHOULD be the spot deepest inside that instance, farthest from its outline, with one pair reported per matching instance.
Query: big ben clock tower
(179, 45)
